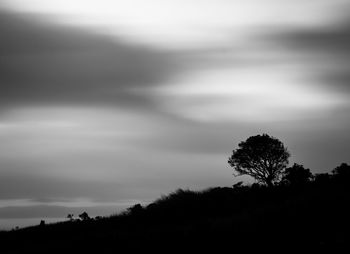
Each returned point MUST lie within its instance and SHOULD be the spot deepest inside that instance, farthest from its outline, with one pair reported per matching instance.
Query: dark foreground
(285, 218)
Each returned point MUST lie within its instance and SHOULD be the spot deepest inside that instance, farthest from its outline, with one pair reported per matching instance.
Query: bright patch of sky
(181, 23)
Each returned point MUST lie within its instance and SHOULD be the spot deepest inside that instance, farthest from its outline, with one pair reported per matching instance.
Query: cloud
(324, 52)
(43, 63)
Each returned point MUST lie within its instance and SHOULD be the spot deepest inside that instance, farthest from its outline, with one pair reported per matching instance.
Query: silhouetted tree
(42, 223)
(342, 171)
(262, 157)
(135, 209)
(297, 175)
(84, 216)
(322, 178)
(70, 216)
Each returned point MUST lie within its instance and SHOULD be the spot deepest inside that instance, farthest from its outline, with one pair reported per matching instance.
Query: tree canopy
(297, 175)
(343, 170)
(262, 157)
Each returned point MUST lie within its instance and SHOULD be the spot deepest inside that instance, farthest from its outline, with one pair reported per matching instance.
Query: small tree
(297, 175)
(343, 170)
(262, 157)
(84, 216)
(135, 209)
(342, 173)
(70, 216)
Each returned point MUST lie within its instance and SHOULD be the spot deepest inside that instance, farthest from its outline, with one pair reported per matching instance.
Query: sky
(104, 104)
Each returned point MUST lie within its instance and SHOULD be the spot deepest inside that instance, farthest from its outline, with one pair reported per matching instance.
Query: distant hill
(282, 218)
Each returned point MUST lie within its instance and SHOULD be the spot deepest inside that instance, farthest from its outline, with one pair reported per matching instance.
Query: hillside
(314, 216)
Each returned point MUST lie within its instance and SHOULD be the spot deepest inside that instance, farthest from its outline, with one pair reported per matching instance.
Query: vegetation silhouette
(42, 223)
(262, 157)
(342, 173)
(70, 216)
(297, 175)
(84, 216)
(301, 212)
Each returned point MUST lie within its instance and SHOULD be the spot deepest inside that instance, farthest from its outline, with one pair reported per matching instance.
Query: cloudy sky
(107, 103)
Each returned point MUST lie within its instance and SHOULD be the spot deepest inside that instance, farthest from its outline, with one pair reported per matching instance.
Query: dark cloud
(325, 51)
(44, 63)
(331, 39)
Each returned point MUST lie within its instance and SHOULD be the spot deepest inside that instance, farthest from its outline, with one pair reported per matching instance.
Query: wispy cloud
(324, 52)
(49, 64)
